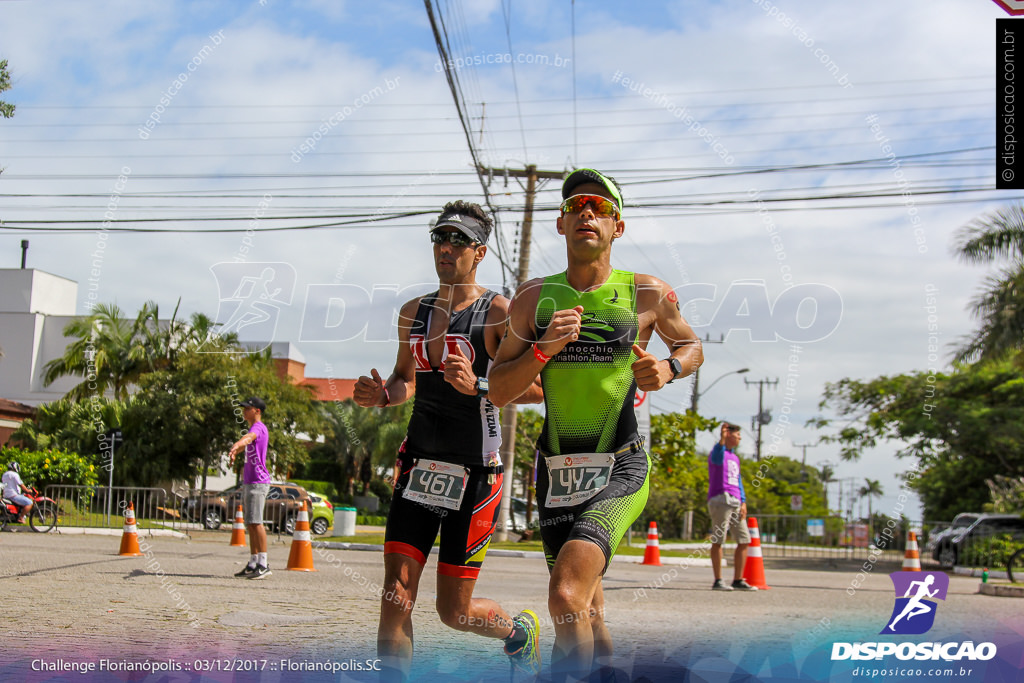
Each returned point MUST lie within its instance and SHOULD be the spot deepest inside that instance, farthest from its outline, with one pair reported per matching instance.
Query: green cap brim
(589, 175)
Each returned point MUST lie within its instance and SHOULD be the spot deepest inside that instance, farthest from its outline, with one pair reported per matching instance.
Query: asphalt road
(181, 607)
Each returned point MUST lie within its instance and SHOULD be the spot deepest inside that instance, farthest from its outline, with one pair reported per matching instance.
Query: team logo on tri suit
(418, 344)
(596, 329)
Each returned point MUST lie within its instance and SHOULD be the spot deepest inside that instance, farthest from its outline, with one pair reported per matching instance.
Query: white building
(35, 306)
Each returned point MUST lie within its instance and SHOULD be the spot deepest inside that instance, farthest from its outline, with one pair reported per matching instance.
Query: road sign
(816, 527)
(796, 502)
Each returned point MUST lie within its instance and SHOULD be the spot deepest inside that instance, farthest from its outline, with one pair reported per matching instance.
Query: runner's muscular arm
(659, 311)
(372, 391)
(516, 367)
(497, 324)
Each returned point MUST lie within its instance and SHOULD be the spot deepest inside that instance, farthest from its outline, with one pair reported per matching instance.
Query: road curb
(80, 531)
(1001, 590)
(537, 554)
(971, 571)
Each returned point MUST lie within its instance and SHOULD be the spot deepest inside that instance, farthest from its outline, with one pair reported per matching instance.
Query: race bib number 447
(577, 477)
(438, 484)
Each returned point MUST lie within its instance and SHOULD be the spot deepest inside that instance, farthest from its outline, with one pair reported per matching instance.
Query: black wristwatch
(482, 386)
(677, 368)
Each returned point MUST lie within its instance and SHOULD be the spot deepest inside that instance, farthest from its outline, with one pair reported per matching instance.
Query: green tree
(995, 238)
(6, 109)
(108, 352)
(112, 352)
(871, 489)
(75, 426)
(679, 474)
(363, 441)
(186, 417)
(827, 475)
(771, 484)
(528, 426)
(962, 428)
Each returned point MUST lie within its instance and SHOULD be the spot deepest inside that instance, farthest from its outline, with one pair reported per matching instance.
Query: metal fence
(100, 507)
(104, 507)
(823, 538)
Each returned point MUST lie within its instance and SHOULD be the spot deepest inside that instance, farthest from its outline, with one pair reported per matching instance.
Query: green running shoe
(527, 657)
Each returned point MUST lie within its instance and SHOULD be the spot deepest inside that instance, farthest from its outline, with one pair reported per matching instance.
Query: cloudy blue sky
(750, 138)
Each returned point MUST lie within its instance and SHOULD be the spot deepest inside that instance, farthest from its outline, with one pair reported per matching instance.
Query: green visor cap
(588, 175)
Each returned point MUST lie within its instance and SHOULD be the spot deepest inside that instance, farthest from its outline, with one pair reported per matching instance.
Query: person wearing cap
(449, 471)
(585, 332)
(255, 485)
(727, 505)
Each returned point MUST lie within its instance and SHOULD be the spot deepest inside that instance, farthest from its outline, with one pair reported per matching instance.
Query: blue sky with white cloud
(87, 75)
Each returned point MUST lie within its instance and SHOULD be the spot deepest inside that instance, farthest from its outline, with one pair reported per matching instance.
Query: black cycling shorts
(465, 533)
(603, 519)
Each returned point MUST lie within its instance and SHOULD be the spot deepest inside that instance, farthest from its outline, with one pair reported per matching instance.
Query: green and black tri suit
(588, 395)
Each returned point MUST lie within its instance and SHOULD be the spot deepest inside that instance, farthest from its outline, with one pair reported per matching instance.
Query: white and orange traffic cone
(753, 568)
(130, 537)
(238, 530)
(300, 559)
(912, 558)
(652, 552)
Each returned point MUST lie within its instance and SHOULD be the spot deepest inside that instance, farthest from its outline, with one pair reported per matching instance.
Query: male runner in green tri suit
(585, 332)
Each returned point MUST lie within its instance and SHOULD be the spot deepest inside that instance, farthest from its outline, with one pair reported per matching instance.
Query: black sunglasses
(454, 236)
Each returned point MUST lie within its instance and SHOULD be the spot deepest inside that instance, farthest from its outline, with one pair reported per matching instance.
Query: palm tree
(996, 237)
(827, 475)
(112, 352)
(107, 352)
(872, 488)
(363, 439)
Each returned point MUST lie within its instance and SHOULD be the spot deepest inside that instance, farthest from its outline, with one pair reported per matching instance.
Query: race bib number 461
(577, 477)
(438, 484)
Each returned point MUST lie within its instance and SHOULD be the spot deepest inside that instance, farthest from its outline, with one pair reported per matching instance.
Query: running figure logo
(914, 611)
(251, 296)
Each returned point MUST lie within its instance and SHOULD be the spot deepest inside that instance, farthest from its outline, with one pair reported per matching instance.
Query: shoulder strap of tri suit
(419, 325)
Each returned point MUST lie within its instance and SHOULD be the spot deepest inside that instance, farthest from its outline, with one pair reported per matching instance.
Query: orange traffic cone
(300, 559)
(912, 558)
(753, 568)
(238, 530)
(652, 553)
(130, 537)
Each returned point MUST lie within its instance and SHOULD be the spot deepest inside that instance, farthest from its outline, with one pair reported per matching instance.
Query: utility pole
(763, 417)
(804, 446)
(696, 373)
(508, 413)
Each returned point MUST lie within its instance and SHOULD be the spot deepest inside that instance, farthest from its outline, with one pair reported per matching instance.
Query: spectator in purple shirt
(255, 486)
(727, 503)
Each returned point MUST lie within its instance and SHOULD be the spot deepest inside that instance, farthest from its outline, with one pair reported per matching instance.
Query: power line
(453, 86)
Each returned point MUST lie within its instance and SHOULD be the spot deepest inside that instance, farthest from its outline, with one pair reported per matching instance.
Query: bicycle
(1016, 560)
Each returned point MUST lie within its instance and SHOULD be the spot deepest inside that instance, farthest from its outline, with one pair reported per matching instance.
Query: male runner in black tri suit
(450, 471)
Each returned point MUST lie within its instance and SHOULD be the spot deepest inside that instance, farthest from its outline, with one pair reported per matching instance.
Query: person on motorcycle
(13, 486)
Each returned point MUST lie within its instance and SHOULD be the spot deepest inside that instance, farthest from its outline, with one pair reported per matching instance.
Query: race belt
(575, 478)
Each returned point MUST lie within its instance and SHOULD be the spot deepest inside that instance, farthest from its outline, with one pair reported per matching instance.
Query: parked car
(321, 516)
(284, 501)
(959, 523)
(949, 550)
(518, 516)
